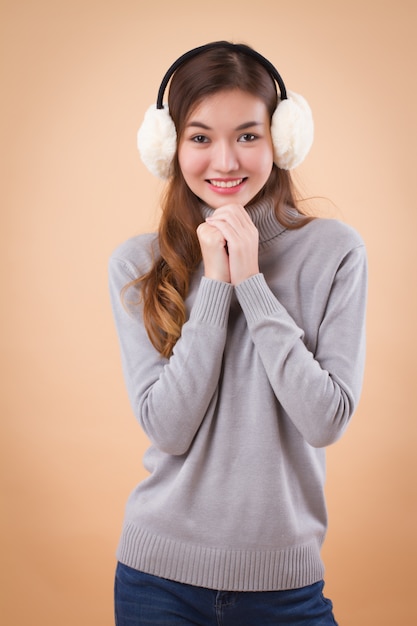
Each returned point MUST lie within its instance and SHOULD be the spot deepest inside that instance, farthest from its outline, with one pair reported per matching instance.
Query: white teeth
(226, 184)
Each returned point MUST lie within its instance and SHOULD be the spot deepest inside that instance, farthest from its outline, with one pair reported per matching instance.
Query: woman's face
(225, 152)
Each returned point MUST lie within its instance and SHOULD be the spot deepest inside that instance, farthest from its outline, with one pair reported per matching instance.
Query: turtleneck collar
(264, 218)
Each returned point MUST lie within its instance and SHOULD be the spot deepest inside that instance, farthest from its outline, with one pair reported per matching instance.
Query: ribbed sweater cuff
(256, 298)
(212, 302)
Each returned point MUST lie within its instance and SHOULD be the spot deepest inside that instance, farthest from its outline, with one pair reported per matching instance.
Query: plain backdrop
(76, 78)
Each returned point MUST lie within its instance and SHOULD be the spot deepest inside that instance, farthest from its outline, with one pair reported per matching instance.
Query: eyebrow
(244, 126)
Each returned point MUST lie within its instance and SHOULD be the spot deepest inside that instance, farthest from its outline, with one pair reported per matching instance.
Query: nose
(224, 157)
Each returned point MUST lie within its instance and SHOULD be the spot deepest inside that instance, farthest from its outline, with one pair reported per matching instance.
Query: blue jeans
(145, 600)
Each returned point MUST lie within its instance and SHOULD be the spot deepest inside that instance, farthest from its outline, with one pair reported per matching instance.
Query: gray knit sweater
(264, 376)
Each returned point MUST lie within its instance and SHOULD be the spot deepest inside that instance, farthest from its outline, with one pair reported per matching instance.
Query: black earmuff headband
(292, 126)
(213, 46)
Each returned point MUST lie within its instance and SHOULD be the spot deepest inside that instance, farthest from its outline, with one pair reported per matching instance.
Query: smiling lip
(226, 185)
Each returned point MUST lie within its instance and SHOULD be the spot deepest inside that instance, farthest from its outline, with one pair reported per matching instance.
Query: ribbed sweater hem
(220, 568)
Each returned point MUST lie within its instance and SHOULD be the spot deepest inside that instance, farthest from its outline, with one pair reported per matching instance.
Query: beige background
(76, 79)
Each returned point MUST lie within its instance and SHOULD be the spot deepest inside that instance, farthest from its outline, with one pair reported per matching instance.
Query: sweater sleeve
(170, 397)
(319, 391)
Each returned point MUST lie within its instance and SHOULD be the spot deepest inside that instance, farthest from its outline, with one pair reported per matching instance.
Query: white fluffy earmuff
(157, 141)
(292, 131)
(292, 127)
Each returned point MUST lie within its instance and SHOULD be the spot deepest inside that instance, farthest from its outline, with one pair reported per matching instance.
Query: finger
(210, 237)
(234, 228)
(229, 221)
(206, 230)
(233, 213)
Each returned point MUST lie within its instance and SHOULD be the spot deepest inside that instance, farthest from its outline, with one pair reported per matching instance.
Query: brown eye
(199, 139)
(247, 137)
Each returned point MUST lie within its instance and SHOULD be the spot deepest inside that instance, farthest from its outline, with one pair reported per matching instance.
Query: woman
(241, 325)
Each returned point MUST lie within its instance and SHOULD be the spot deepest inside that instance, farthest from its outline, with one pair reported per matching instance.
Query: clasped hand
(229, 245)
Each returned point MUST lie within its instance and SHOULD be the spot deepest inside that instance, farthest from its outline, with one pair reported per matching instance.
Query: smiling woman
(204, 75)
(241, 326)
(234, 155)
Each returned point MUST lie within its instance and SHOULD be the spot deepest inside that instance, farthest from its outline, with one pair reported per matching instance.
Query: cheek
(189, 161)
(268, 157)
(261, 162)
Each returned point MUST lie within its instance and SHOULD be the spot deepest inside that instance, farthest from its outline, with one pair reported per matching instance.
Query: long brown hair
(165, 286)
